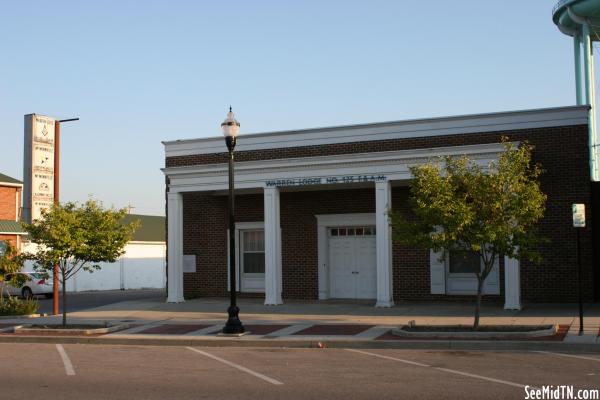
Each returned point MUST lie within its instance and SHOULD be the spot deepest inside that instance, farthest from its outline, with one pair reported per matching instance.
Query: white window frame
(470, 277)
(240, 226)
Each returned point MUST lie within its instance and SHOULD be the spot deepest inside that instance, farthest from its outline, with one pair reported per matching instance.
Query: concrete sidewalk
(318, 321)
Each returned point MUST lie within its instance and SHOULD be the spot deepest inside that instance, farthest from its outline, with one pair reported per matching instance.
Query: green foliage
(14, 306)
(465, 207)
(458, 205)
(78, 236)
(10, 264)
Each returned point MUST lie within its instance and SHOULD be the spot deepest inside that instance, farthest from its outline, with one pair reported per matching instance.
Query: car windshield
(36, 275)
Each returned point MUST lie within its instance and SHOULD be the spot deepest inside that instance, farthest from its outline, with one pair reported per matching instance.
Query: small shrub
(14, 306)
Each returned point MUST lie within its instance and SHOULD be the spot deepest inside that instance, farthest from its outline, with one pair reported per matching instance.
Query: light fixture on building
(231, 128)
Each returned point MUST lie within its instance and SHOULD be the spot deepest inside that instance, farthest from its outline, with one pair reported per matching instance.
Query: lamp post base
(234, 325)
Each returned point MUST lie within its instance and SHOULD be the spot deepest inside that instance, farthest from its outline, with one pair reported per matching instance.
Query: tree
(76, 237)
(463, 207)
(11, 263)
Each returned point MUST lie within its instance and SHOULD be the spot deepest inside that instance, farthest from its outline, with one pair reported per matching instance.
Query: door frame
(324, 222)
(240, 226)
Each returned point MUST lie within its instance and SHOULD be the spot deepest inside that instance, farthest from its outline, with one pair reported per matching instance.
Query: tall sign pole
(56, 202)
(41, 173)
(578, 223)
(56, 193)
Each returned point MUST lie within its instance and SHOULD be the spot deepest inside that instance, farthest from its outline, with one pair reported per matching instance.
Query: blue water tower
(581, 20)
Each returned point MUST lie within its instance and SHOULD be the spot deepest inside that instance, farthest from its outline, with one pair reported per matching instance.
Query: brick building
(311, 211)
(10, 207)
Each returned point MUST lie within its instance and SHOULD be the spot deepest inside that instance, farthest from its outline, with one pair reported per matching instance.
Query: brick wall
(562, 151)
(9, 238)
(7, 202)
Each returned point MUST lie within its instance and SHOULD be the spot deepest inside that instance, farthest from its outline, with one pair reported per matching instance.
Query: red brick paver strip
(172, 329)
(557, 337)
(263, 329)
(337, 329)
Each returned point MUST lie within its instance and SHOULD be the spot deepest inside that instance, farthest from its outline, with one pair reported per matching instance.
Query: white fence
(143, 266)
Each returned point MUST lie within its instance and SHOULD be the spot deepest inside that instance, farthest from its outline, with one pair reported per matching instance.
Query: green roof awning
(151, 229)
(8, 179)
(11, 227)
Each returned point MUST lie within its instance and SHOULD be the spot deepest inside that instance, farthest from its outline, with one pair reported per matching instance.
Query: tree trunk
(64, 300)
(478, 303)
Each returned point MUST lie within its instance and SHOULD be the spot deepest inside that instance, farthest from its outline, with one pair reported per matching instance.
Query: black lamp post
(231, 128)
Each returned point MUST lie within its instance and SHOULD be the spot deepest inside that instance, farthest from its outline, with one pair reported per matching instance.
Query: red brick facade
(562, 152)
(8, 202)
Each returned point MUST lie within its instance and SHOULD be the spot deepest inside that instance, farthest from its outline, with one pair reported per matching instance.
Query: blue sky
(137, 73)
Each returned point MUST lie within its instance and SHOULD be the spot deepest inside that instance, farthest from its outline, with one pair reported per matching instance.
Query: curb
(336, 344)
(24, 316)
(92, 331)
(475, 335)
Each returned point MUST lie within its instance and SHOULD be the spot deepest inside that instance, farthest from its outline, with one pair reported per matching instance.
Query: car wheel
(27, 293)
(49, 295)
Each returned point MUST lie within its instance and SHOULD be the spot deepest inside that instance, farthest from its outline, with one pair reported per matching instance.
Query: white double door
(353, 272)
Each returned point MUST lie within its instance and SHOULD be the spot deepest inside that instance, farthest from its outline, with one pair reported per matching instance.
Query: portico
(312, 210)
(358, 265)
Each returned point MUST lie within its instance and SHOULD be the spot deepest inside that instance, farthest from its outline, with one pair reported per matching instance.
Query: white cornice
(12, 185)
(394, 165)
(480, 123)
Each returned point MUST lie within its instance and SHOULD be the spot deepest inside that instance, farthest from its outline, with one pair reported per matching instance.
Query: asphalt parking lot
(79, 301)
(55, 371)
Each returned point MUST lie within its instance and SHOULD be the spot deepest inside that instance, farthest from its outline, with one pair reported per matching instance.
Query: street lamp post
(231, 128)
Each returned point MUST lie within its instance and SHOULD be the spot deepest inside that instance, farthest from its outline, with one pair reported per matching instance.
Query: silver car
(35, 284)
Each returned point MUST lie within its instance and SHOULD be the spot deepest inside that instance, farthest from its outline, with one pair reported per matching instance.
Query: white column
(175, 248)
(272, 247)
(322, 260)
(512, 284)
(383, 203)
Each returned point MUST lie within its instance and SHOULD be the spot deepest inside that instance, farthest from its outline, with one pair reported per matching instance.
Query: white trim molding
(441, 126)
(387, 165)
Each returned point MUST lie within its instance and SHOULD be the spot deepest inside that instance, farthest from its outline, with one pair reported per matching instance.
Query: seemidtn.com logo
(560, 392)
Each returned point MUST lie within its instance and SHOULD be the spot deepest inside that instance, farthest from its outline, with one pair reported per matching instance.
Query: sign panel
(579, 215)
(189, 263)
(38, 168)
(324, 181)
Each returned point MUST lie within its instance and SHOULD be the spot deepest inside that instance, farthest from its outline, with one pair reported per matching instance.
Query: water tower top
(569, 15)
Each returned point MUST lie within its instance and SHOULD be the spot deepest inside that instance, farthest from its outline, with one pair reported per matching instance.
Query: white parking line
(450, 371)
(390, 358)
(65, 359)
(569, 355)
(244, 369)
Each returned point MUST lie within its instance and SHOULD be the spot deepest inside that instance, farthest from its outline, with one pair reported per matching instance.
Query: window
(2, 247)
(464, 262)
(353, 231)
(253, 251)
